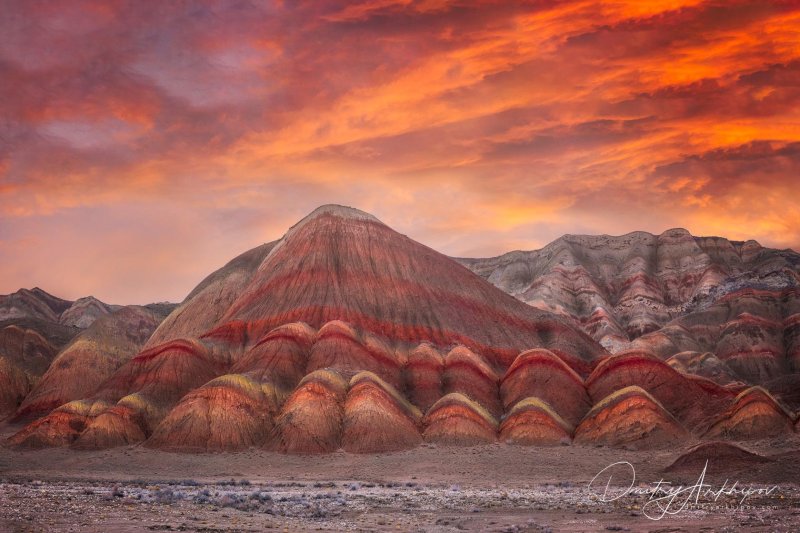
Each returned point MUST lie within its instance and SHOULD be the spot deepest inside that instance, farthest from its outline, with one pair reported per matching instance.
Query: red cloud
(538, 118)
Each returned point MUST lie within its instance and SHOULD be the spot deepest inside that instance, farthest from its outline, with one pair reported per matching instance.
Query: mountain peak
(340, 263)
(340, 211)
(335, 210)
(675, 232)
(320, 213)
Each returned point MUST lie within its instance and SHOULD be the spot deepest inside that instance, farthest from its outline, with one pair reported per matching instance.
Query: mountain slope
(620, 288)
(342, 264)
(724, 309)
(347, 334)
(91, 358)
(340, 292)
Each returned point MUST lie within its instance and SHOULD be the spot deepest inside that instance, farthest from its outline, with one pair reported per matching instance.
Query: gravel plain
(485, 488)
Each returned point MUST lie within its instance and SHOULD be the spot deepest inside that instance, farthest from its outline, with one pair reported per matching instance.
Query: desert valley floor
(496, 487)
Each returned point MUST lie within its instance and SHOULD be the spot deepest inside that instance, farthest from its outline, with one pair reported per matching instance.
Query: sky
(144, 143)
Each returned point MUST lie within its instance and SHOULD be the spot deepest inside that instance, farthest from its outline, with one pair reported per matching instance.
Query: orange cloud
(473, 127)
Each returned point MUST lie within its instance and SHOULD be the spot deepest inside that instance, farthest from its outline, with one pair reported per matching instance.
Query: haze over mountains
(346, 334)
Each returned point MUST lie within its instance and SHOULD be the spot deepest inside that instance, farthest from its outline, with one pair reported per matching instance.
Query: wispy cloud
(143, 144)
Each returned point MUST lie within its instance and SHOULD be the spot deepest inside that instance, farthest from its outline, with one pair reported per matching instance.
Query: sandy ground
(487, 488)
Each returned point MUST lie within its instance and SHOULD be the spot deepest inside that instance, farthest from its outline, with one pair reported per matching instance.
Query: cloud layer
(143, 144)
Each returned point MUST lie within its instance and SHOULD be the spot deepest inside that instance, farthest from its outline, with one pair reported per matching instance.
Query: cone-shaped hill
(340, 292)
(339, 263)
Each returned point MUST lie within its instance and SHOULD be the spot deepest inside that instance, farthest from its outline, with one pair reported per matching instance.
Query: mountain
(673, 294)
(343, 264)
(90, 358)
(345, 334)
(35, 326)
(24, 355)
(84, 311)
(39, 305)
(340, 292)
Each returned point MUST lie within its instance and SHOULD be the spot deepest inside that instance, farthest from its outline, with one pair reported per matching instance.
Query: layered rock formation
(32, 303)
(693, 400)
(754, 332)
(280, 357)
(344, 334)
(423, 376)
(342, 264)
(311, 419)
(457, 419)
(377, 418)
(117, 425)
(668, 294)
(35, 326)
(539, 374)
(15, 384)
(533, 422)
(24, 355)
(340, 292)
(26, 349)
(705, 364)
(84, 311)
(630, 417)
(755, 414)
(56, 319)
(468, 373)
(229, 413)
(90, 359)
(59, 428)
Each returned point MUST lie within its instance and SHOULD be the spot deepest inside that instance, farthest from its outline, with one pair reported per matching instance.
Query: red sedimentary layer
(163, 373)
(470, 374)
(750, 330)
(630, 417)
(423, 376)
(339, 346)
(59, 428)
(534, 422)
(693, 400)
(755, 414)
(311, 419)
(230, 413)
(539, 373)
(119, 425)
(456, 419)
(377, 418)
(280, 357)
(157, 378)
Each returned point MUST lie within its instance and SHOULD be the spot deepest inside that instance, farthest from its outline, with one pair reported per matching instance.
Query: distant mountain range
(724, 309)
(347, 334)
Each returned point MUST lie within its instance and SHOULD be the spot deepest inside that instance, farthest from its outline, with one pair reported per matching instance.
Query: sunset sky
(143, 144)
